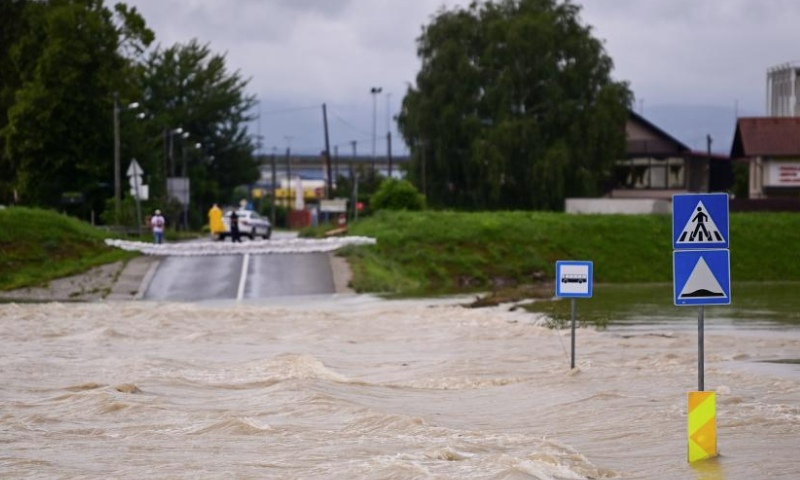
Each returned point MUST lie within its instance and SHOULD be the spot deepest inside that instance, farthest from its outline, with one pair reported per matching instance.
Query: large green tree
(514, 107)
(68, 61)
(187, 86)
(14, 22)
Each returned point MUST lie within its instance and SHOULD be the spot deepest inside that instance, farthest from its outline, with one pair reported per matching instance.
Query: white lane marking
(243, 278)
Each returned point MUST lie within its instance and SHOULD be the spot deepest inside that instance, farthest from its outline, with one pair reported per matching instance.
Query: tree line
(62, 62)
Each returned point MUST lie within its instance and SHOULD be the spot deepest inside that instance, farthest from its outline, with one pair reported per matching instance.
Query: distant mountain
(691, 123)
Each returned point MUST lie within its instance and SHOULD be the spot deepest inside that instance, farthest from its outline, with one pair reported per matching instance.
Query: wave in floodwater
(375, 390)
(255, 247)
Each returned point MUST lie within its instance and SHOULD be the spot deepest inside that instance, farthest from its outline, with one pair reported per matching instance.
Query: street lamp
(117, 167)
(172, 133)
(374, 91)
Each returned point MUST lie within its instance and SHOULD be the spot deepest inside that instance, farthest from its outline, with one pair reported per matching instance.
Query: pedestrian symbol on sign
(700, 228)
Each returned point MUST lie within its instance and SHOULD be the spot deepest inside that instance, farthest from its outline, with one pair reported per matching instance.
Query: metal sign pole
(700, 353)
(138, 209)
(573, 308)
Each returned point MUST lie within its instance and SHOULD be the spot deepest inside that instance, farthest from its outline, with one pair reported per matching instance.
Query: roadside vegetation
(39, 245)
(450, 252)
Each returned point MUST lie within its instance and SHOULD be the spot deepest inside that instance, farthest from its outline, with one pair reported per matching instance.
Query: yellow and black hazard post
(702, 425)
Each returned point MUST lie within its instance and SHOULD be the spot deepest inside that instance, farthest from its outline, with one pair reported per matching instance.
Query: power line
(350, 142)
(350, 125)
(289, 110)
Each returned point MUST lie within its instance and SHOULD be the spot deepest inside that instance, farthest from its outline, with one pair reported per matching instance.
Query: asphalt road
(226, 277)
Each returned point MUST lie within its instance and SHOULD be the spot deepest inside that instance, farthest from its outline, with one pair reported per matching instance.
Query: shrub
(397, 195)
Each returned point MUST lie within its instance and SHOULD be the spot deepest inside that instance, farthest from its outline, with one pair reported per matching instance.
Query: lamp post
(117, 167)
(184, 136)
(171, 134)
(374, 91)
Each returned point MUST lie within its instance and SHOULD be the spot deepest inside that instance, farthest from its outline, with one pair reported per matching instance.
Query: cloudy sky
(690, 63)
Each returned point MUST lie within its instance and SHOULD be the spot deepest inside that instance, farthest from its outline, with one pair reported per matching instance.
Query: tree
(396, 194)
(68, 61)
(187, 86)
(13, 25)
(514, 107)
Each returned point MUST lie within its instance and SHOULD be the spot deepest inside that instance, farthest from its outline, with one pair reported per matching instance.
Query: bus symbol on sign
(573, 278)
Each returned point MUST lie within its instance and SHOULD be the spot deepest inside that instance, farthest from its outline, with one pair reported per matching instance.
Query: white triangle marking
(700, 228)
(702, 283)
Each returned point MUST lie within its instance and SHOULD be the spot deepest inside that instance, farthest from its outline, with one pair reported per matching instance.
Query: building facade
(771, 146)
(657, 165)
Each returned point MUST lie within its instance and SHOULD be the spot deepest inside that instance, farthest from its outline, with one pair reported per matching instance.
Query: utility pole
(708, 165)
(424, 180)
(183, 174)
(374, 91)
(166, 162)
(117, 168)
(171, 154)
(288, 174)
(329, 186)
(272, 206)
(288, 139)
(389, 132)
(336, 160)
(389, 151)
(353, 175)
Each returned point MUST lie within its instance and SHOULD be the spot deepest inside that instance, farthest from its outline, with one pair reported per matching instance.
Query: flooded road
(356, 387)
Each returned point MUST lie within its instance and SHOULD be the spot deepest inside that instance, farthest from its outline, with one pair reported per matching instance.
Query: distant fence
(629, 206)
(765, 205)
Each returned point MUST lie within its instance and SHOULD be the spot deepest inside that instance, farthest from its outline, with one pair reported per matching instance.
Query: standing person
(235, 227)
(157, 223)
(215, 224)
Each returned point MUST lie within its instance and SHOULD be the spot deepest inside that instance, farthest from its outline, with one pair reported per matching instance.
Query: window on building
(650, 173)
(676, 172)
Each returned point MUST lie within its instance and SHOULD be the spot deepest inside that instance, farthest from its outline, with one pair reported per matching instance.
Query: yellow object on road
(702, 425)
(215, 220)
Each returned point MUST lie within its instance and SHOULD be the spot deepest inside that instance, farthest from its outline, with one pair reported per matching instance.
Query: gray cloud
(304, 52)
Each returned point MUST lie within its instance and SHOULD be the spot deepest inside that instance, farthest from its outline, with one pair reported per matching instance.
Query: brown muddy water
(357, 387)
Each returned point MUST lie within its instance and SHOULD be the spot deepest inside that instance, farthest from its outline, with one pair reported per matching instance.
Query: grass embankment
(446, 252)
(37, 246)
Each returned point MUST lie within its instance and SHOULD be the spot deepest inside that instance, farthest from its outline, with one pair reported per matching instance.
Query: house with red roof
(771, 146)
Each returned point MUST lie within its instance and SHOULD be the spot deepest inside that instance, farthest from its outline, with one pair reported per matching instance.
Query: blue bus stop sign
(700, 221)
(701, 277)
(574, 279)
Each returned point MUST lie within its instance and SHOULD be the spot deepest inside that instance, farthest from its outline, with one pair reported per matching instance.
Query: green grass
(37, 246)
(442, 252)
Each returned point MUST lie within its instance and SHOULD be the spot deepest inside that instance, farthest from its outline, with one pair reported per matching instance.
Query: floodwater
(755, 305)
(357, 387)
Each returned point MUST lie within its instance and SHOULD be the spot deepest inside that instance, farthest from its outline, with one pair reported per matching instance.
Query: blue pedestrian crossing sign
(702, 277)
(574, 279)
(700, 221)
